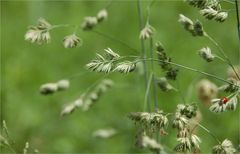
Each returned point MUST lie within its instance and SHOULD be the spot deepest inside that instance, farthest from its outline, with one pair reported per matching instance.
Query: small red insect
(224, 100)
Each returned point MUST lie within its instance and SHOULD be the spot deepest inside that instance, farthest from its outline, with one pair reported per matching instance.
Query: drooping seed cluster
(72, 41)
(164, 85)
(89, 98)
(230, 102)
(50, 88)
(226, 147)
(211, 9)
(111, 62)
(152, 122)
(195, 28)
(146, 32)
(206, 54)
(39, 33)
(187, 140)
(104, 133)
(144, 141)
(171, 72)
(90, 22)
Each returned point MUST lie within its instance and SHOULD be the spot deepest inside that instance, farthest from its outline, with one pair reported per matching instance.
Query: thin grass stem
(147, 93)
(154, 79)
(209, 132)
(143, 49)
(115, 40)
(223, 53)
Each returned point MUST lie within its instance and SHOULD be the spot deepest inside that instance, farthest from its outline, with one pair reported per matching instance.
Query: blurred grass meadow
(36, 119)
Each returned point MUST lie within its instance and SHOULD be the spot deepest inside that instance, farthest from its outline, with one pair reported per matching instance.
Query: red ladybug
(224, 100)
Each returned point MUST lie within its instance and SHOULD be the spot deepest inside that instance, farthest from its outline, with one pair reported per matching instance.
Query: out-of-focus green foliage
(35, 118)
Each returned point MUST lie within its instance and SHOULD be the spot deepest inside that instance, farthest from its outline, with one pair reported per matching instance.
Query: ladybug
(224, 100)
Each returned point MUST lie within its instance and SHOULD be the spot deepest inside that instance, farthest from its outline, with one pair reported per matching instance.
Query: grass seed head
(102, 15)
(226, 147)
(72, 41)
(48, 88)
(221, 16)
(63, 85)
(89, 23)
(206, 54)
(146, 32)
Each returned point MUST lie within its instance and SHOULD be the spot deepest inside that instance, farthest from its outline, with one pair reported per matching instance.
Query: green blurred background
(24, 67)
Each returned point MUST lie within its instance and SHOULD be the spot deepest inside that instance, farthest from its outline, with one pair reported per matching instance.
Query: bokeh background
(24, 67)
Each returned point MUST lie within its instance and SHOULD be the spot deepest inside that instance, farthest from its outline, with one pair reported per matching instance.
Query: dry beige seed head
(180, 121)
(218, 105)
(102, 15)
(63, 85)
(111, 54)
(104, 133)
(125, 67)
(40, 33)
(71, 41)
(48, 88)
(34, 35)
(68, 109)
(43, 24)
(221, 16)
(89, 23)
(147, 142)
(195, 140)
(206, 91)
(186, 22)
(226, 147)
(164, 85)
(146, 32)
(209, 13)
(206, 54)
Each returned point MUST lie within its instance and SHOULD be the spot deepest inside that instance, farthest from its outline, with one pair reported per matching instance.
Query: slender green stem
(227, 1)
(181, 66)
(149, 10)
(154, 79)
(238, 18)
(223, 53)
(141, 25)
(147, 93)
(59, 26)
(209, 132)
(115, 40)
(220, 58)
(188, 68)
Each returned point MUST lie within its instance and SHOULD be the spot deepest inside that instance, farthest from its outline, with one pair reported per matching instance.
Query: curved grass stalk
(188, 68)
(227, 1)
(209, 132)
(60, 26)
(115, 40)
(153, 76)
(223, 53)
(143, 49)
(238, 18)
(147, 93)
